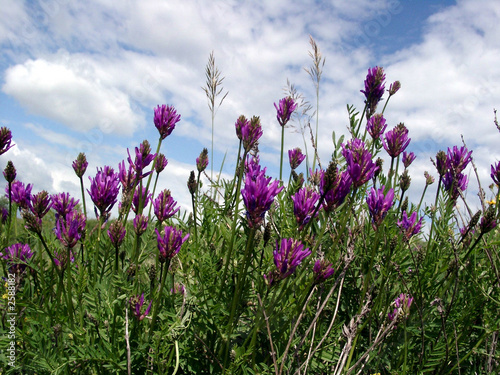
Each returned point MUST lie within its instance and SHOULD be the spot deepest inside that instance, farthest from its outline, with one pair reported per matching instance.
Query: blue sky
(85, 76)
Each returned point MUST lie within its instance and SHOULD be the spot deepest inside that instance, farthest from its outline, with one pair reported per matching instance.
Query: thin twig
(292, 334)
(129, 364)
(273, 353)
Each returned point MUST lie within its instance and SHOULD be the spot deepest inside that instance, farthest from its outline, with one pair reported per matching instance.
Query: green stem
(317, 125)
(240, 287)
(83, 197)
(429, 241)
(282, 145)
(152, 197)
(421, 198)
(158, 300)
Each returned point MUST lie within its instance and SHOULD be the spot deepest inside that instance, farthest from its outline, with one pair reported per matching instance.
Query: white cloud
(79, 100)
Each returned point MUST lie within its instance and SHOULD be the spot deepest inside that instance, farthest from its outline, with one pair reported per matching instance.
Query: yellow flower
(5, 296)
(491, 203)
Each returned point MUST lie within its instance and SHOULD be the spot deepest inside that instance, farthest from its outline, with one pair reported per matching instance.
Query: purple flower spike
(61, 258)
(258, 196)
(284, 110)
(9, 172)
(408, 158)
(5, 140)
(394, 88)
(161, 163)
(170, 243)
(63, 204)
(374, 88)
(80, 165)
(165, 119)
(322, 270)
(336, 195)
(454, 184)
(396, 140)
(202, 160)
(376, 126)
(164, 206)
(458, 159)
(40, 204)
(146, 197)
(116, 233)
(296, 157)
(20, 194)
(17, 256)
(239, 125)
(379, 204)
(495, 173)
(409, 225)
(360, 165)
(4, 215)
(287, 256)
(143, 158)
(104, 191)
(402, 304)
(69, 230)
(251, 133)
(140, 224)
(136, 304)
(127, 177)
(304, 204)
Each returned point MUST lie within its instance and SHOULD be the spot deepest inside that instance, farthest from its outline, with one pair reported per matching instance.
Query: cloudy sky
(85, 76)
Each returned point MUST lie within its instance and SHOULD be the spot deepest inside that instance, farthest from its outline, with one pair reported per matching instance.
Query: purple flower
(304, 204)
(258, 196)
(488, 221)
(127, 177)
(170, 243)
(145, 198)
(376, 126)
(20, 194)
(116, 233)
(284, 110)
(296, 157)
(69, 230)
(409, 225)
(402, 304)
(61, 259)
(408, 158)
(202, 161)
(40, 204)
(9, 172)
(63, 204)
(17, 256)
(164, 206)
(161, 163)
(454, 183)
(143, 158)
(495, 173)
(136, 304)
(5, 140)
(322, 270)
(140, 224)
(340, 188)
(104, 191)
(394, 88)
(458, 159)
(178, 289)
(374, 88)
(239, 125)
(396, 140)
(165, 119)
(80, 165)
(5, 215)
(252, 167)
(287, 257)
(360, 165)
(379, 204)
(250, 133)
